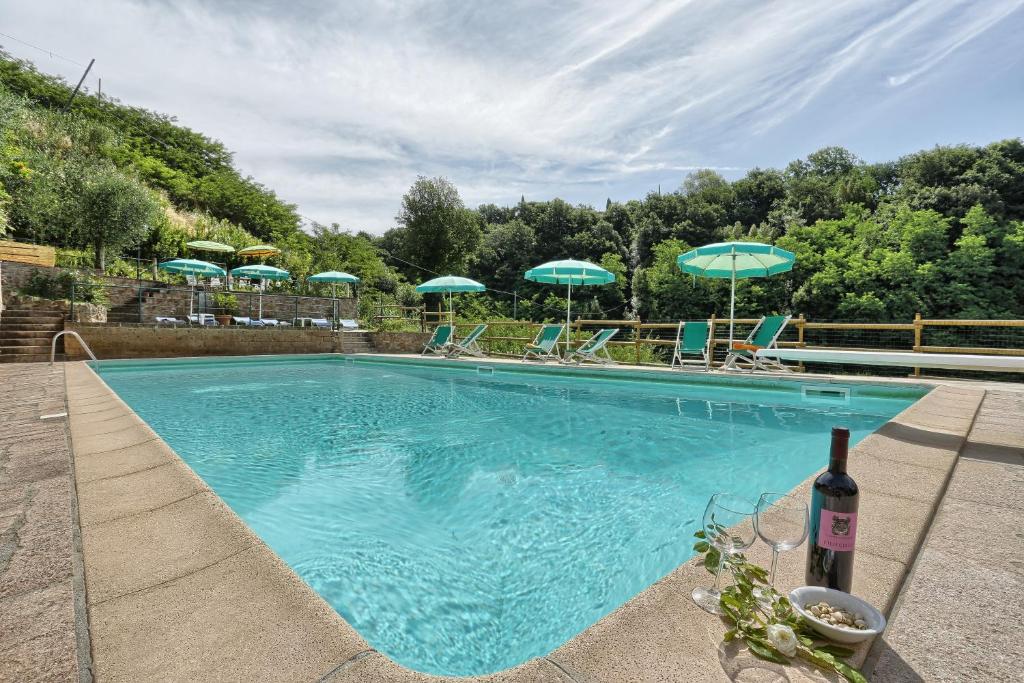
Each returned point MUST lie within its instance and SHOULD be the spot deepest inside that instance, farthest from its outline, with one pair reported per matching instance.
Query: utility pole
(79, 86)
(99, 88)
(515, 304)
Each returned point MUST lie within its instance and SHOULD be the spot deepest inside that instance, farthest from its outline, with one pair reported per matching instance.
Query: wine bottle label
(838, 530)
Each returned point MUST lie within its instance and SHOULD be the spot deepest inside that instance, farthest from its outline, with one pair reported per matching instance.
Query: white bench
(947, 361)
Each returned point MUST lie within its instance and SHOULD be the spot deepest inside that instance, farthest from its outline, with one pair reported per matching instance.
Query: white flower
(782, 638)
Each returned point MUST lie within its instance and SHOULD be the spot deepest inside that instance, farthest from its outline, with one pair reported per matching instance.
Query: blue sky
(339, 106)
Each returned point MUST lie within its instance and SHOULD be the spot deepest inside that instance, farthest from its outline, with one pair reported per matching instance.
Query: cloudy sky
(338, 106)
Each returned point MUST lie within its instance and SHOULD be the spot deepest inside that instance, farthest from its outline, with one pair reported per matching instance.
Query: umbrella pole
(732, 302)
(568, 317)
(451, 314)
(191, 296)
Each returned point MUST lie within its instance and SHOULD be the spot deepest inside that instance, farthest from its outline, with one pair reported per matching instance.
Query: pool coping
(179, 587)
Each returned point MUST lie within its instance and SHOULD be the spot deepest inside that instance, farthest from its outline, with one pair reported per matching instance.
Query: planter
(222, 319)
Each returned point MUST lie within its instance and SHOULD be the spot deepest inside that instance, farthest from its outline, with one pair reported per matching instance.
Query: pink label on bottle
(838, 530)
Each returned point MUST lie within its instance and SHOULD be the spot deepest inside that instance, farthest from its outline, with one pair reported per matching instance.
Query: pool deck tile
(140, 551)
(89, 468)
(957, 616)
(91, 442)
(243, 618)
(374, 667)
(113, 497)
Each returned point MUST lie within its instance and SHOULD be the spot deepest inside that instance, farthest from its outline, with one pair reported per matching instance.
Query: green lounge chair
(468, 344)
(546, 343)
(693, 338)
(765, 335)
(439, 341)
(593, 346)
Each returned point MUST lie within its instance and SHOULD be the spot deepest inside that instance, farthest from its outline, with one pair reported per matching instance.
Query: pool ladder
(53, 346)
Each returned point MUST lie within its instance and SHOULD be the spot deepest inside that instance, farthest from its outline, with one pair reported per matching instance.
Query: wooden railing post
(636, 342)
(800, 322)
(711, 346)
(918, 326)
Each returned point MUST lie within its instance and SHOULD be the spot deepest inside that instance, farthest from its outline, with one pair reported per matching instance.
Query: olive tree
(114, 212)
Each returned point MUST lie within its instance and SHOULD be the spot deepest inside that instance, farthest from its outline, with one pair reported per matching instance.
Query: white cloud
(338, 106)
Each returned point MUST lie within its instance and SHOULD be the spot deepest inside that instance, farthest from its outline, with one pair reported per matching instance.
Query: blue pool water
(464, 522)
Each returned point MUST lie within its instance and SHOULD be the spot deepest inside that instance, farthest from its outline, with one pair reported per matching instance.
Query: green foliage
(64, 285)
(228, 303)
(439, 232)
(758, 621)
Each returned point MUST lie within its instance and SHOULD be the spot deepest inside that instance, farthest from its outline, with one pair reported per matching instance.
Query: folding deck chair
(468, 344)
(439, 341)
(693, 338)
(593, 346)
(544, 347)
(765, 335)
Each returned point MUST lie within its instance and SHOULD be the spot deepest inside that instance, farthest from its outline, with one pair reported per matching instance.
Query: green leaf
(836, 650)
(701, 546)
(732, 602)
(766, 652)
(700, 533)
(729, 635)
(849, 673)
(711, 560)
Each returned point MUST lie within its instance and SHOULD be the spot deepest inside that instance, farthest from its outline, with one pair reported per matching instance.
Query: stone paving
(39, 584)
(958, 617)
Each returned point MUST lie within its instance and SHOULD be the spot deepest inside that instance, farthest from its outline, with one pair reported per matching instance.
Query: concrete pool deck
(178, 588)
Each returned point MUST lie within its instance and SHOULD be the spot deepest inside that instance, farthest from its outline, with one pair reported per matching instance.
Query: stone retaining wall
(141, 341)
(399, 342)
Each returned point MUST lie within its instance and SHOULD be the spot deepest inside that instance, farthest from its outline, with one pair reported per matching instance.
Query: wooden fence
(650, 343)
(28, 253)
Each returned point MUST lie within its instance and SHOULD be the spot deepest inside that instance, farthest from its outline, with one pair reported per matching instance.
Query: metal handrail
(53, 346)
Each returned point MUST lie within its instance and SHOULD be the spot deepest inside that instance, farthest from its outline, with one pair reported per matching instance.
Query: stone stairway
(128, 312)
(26, 333)
(356, 342)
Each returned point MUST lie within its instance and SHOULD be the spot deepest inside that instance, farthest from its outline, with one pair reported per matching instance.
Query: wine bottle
(833, 523)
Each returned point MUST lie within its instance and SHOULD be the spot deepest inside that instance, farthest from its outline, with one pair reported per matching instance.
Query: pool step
(356, 342)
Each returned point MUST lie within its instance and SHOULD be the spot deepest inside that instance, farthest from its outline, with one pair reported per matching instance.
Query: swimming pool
(466, 520)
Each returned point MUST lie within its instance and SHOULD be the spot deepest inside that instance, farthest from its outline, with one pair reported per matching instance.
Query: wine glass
(729, 527)
(781, 522)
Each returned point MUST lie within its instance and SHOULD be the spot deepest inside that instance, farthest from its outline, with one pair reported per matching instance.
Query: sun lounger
(765, 335)
(693, 341)
(203, 319)
(598, 344)
(947, 361)
(545, 346)
(348, 324)
(170, 320)
(248, 322)
(322, 323)
(274, 322)
(439, 342)
(468, 344)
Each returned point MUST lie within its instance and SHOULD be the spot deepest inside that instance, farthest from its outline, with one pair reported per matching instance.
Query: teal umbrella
(570, 272)
(187, 266)
(736, 261)
(334, 277)
(449, 284)
(260, 272)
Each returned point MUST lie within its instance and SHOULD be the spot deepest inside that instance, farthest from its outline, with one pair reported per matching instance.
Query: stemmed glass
(729, 527)
(781, 522)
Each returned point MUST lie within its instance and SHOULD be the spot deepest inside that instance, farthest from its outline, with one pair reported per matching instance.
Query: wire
(52, 54)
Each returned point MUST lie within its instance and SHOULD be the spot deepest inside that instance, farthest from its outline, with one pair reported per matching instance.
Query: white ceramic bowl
(851, 603)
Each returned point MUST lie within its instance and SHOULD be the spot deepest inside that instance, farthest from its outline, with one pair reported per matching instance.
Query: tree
(114, 211)
(440, 233)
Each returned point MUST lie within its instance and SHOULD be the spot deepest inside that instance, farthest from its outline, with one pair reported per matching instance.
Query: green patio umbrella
(449, 284)
(259, 250)
(187, 266)
(260, 272)
(206, 245)
(333, 277)
(570, 272)
(736, 261)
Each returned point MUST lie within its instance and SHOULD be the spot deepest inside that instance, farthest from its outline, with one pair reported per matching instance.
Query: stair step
(17, 350)
(25, 341)
(29, 358)
(31, 327)
(25, 334)
(10, 313)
